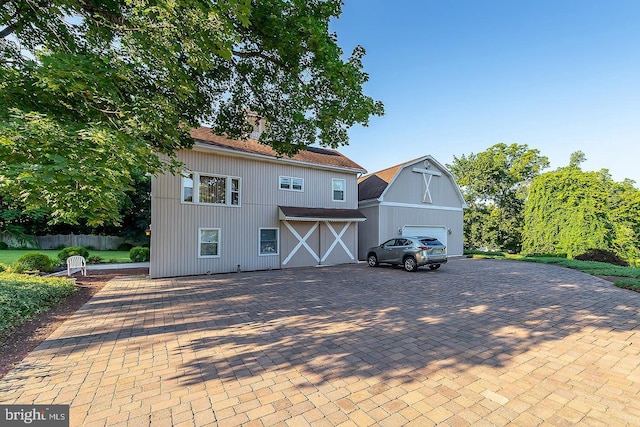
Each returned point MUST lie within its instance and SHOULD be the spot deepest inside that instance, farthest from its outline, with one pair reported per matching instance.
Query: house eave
(204, 147)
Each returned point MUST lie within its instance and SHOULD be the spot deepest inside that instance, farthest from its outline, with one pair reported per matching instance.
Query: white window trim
(277, 241)
(200, 242)
(195, 176)
(291, 178)
(344, 191)
(183, 176)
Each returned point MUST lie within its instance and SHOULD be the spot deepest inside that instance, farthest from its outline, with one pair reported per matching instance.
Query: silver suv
(411, 252)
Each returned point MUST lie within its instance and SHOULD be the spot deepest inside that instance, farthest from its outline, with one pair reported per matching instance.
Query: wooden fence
(101, 243)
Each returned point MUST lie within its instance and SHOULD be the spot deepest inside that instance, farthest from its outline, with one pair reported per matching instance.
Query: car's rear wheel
(372, 260)
(434, 266)
(410, 264)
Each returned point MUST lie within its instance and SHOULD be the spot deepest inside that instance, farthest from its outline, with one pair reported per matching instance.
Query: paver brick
(478, 342)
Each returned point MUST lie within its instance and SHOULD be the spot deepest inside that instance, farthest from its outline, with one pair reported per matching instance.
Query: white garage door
(437, 231)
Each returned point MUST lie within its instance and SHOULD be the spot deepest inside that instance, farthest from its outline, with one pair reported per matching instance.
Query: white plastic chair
(74, 262)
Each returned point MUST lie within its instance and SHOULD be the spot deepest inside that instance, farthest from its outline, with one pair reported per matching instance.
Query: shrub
(22, 297)
(33, 261)
(632, 284)
(139, 254)
(94, 259)
(3, 246)
(73, 250)
(125, 246)
(602, 255)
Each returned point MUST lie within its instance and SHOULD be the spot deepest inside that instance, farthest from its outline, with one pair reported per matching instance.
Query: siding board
(174, 238)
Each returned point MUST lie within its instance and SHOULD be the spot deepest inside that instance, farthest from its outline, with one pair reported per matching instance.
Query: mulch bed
(24, 338)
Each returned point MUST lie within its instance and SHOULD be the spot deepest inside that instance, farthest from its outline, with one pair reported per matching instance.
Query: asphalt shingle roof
(314, 155)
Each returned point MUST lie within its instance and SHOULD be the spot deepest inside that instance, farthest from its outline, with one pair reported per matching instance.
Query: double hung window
(208, 243)
(339, 186)
(268, 241)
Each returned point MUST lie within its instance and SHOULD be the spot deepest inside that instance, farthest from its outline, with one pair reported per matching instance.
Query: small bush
(602, 255)
(632, 284)
(3, 246)
(73, 250)
(139, 254)
(3, 268)
(33, 261)
(125, 246)
(22, 297)
(94, 259)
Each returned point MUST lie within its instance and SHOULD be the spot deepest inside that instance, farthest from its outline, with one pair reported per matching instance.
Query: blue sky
(458, 76)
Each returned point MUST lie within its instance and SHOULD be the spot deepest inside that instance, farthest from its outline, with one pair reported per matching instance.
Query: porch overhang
(295, 213)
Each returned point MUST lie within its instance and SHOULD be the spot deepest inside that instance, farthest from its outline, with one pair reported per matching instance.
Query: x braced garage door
(308, 243)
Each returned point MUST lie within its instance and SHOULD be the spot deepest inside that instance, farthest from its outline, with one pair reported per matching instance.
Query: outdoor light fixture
(147, 232)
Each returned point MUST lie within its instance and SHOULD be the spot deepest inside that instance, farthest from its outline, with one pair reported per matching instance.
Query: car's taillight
(425, 248)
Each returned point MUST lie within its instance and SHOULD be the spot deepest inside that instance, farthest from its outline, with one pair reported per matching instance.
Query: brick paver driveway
(477, 342)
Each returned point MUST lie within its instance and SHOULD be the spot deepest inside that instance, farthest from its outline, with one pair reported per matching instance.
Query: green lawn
(9, 256)
(22, 297)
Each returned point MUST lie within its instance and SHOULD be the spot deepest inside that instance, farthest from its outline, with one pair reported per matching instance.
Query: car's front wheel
(434, 266)
(410, 264)
(372, 260)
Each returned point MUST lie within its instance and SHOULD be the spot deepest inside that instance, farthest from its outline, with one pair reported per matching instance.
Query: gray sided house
(416, 198)
(239, 207)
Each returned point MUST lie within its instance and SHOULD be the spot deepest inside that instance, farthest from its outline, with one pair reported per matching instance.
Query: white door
(437, 231)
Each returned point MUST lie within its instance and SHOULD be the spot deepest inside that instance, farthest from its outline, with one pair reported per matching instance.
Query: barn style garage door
(313, 236)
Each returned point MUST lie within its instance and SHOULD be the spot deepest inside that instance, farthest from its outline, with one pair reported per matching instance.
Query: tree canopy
(93, 91)
(569, 211)
(494, 183)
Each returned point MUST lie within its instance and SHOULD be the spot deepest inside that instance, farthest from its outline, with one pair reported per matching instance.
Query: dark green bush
(139, 254)
(602, 255)
(632, 284)
(94, 259)
(125, 246)
(73, 250)
(33, 261)
(22, 297)
(3, 246)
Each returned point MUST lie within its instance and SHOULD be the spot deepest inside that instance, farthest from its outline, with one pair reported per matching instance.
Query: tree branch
(259, 54)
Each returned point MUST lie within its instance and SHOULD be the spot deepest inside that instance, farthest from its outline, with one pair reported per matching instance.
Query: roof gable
(312, 155)
(375, 185)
